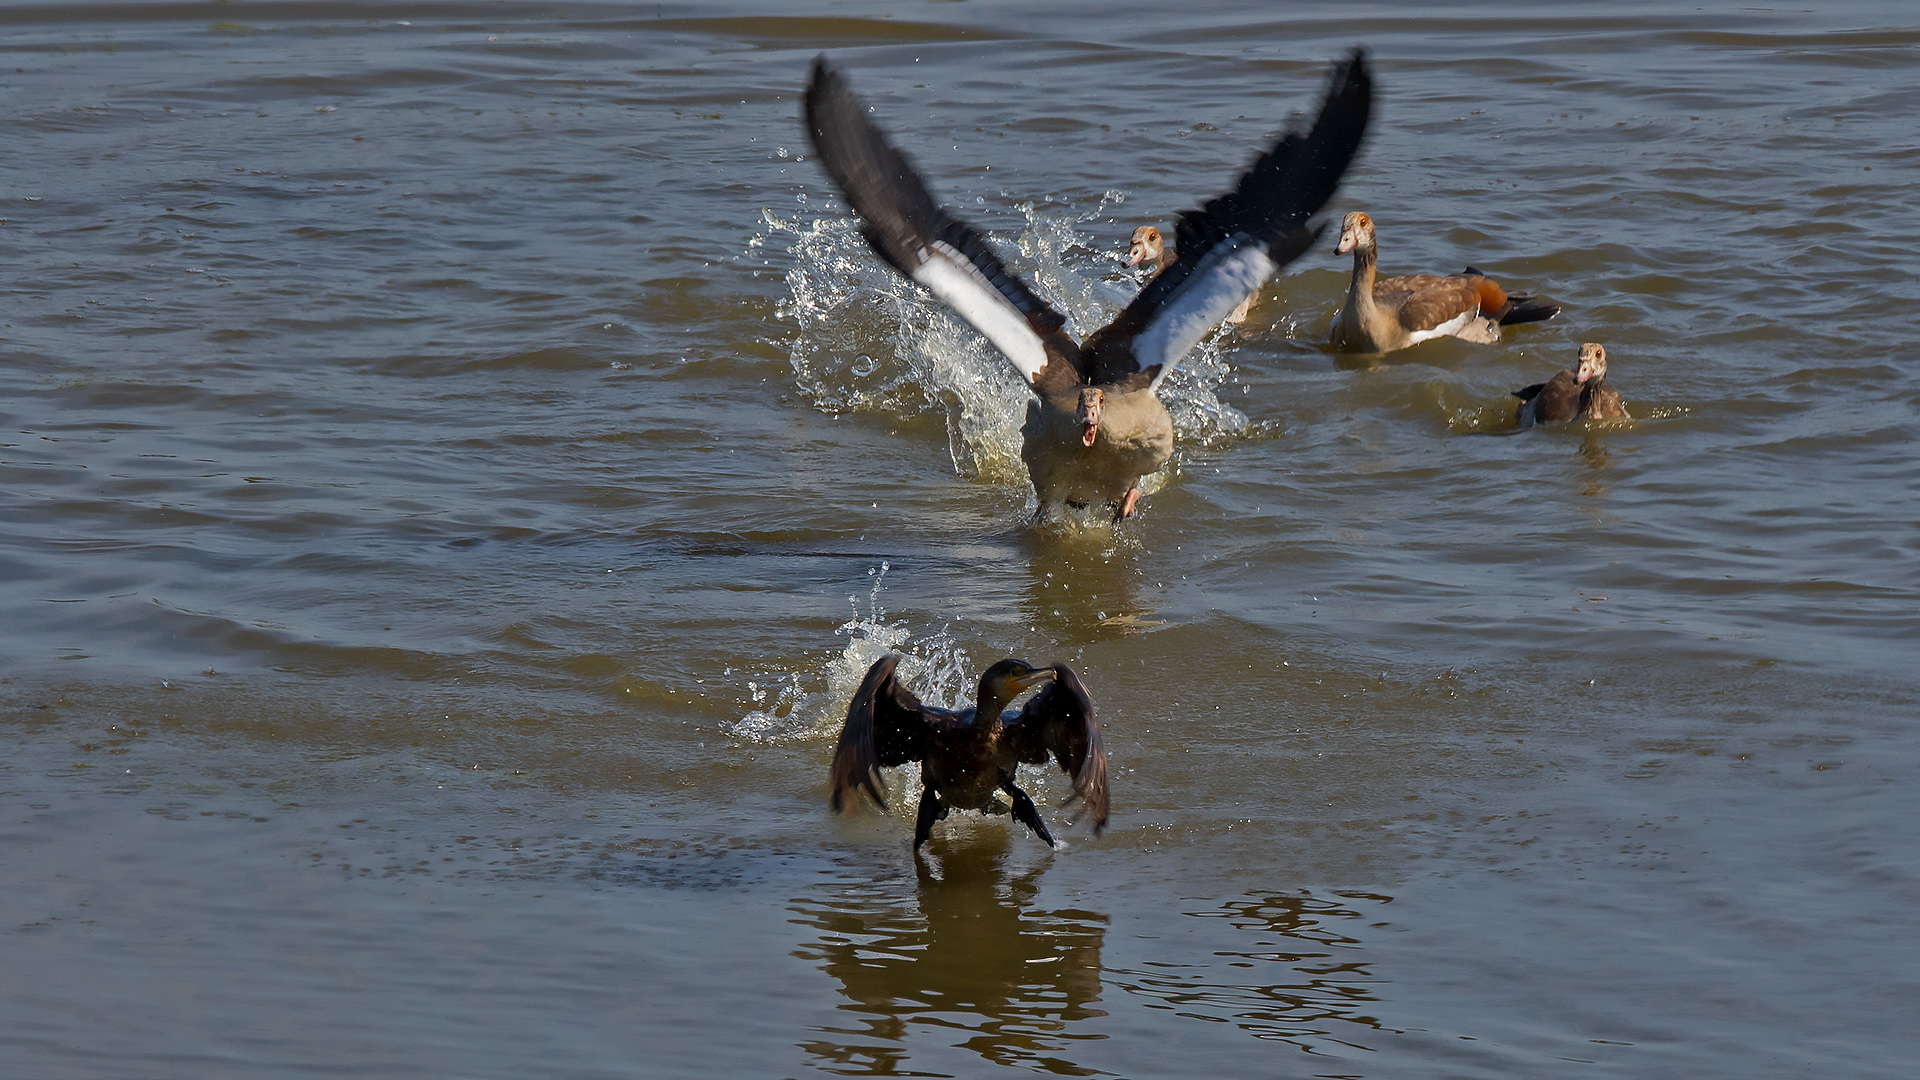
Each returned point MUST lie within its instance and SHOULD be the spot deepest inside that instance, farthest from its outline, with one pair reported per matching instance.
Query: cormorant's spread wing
(886, 725)
(1059, 722)
(1233, 244)
(912, 233)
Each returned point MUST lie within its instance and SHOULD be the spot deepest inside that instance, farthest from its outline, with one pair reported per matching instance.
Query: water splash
(803, 705)
(867, 339)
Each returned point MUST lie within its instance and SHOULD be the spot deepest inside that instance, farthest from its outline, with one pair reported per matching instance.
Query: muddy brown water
(456, 458)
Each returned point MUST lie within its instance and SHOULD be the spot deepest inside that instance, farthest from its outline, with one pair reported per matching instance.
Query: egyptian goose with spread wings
(1581, 392)
(1385, 314)
(1095, 425)
(967, 758)
(1149, 248)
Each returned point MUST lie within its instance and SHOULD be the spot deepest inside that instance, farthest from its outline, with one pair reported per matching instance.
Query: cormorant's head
(1010, 678)
(1593, 363)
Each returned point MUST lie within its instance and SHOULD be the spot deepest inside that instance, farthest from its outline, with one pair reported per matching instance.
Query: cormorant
(968, 757)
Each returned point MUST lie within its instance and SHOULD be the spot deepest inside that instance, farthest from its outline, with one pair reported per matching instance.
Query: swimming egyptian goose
(1149, 248)
(1384, 314)
(1582, 392)
(967, 758)
(1095, 425)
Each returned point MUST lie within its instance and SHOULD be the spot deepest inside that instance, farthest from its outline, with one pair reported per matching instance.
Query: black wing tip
(826, 84)
(872, 784)
(822, 81)
(854, 767)
(1357, 65)
(823, 72)
(1295, 177)
(1526, 309)
(877, 671)
(1351, 80)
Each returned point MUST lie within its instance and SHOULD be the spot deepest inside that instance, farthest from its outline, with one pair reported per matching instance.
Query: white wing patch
(1461, 326)
(1224, 277)
(952, 277)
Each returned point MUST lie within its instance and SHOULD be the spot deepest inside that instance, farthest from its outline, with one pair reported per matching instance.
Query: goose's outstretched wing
(1059, 722)
(1231, 245)
(886, 725)
(909, 229)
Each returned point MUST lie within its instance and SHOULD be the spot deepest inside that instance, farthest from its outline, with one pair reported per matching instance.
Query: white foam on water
(868, 339)
(812, 703)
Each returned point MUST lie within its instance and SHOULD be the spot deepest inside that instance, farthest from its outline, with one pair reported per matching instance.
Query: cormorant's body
(968, 757)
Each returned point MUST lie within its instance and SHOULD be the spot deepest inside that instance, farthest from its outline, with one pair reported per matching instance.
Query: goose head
(1356, 231)
(1147, 246)
(1092, 401)
(1593, 364)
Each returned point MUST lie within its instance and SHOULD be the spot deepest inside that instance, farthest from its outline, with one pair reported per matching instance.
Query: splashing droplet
(869, 340)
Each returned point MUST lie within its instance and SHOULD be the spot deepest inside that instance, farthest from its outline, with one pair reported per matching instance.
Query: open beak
(1089, 422)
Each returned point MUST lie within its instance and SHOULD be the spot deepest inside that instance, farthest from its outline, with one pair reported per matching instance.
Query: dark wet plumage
(967, 762)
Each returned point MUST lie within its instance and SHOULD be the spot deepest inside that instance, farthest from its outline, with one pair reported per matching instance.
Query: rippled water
(457, 459)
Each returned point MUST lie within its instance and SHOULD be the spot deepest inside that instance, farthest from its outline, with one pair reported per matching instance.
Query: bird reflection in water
(1593, 448)
(1082, 588)
(1320, 1001)
(956, 955)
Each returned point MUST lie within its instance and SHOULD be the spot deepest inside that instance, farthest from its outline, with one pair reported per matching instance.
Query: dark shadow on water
(956, 954)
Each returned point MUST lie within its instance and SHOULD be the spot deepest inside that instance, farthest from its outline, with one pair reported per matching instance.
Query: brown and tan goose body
(1148, 248)
(1571, 394)
(968, 757)
(1384, 314)
(1095, 425)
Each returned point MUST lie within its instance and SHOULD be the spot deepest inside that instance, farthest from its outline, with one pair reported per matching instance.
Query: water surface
(457, 459)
